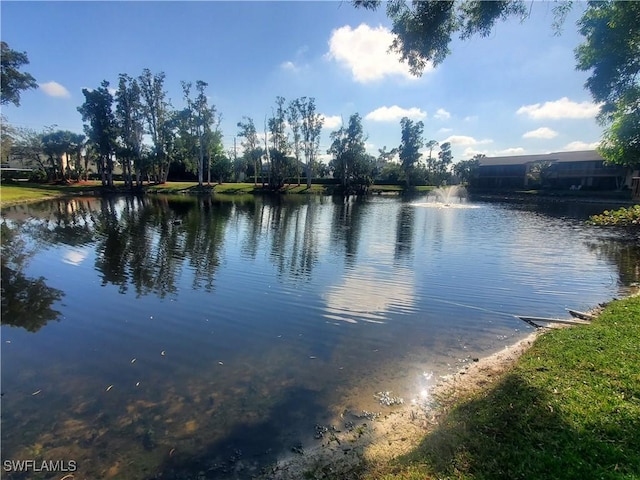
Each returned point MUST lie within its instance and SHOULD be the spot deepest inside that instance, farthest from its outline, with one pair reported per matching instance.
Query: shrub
(621, 217)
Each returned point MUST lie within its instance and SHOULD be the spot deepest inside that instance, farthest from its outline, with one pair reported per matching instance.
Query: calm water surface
(148, 337)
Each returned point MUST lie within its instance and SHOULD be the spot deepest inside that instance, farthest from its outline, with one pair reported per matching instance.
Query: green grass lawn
(11, 193)
(19, 192)
(569, 409)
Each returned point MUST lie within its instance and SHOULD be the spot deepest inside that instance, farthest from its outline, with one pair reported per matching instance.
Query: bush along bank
(621, 217)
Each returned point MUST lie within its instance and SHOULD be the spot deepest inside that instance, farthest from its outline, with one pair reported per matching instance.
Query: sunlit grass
(18, 192)
(25, 192)
(570, 408)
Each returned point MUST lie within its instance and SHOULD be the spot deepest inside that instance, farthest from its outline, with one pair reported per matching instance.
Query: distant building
(560, 170)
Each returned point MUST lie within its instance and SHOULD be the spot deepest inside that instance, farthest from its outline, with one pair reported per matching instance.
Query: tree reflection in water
(26, 302)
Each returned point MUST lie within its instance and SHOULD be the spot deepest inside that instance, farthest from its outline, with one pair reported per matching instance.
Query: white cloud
(577, 146)
(365, 51)
(442, 114)
(333, 121)
(366, 298)
(471, 118)
(260, 136)
(470, 152)
(542, 132)
(324, 157)
(74, 257)
(54, 89)
(291, 67)
(563, 108)
(395, 113)
(465, 140)
(511, 151)
(445, 130)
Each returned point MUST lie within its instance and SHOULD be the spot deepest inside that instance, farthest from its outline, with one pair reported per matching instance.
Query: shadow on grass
(518, 431)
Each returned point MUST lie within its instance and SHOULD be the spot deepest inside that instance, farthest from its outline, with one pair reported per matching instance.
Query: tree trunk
(165, 175)
(110, 171)
(255, 172)
(61, 165)
(200, 162)
(261, 173)
(102, 171)
(209, 170)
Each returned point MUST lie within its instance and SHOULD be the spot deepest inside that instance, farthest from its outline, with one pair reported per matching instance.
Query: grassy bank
(12, 193)
(569, 408)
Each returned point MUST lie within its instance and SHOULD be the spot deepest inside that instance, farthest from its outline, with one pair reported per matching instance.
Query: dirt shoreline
(345, 451)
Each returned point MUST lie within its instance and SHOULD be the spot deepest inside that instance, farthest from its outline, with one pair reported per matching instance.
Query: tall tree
(215, 148)
(350, 162)
(184, 144)
(431, 144)
(445, 158)
(412, 142)
(28, 147)
(100, 127)
(250, 145)
(279, 145)
(466, 170)
(8, 136)
(201, 118)
(157, 112)
(55, 145)
(293, 119)
(311, 128)
(64, 151)
(12, 80)
(77, 147)
(386, 169)
(130, 122)
(611, 52)
(267, 156)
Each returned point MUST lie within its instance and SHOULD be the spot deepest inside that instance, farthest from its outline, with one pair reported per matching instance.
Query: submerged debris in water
(298, 449)
(149, 439)
(368, 415)
(385, 398)
(320, 431)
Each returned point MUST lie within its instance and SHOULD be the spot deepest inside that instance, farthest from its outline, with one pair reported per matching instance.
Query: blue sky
(515, 92)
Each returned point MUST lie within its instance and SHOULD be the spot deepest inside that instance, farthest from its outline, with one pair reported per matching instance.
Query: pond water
(160, 337)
